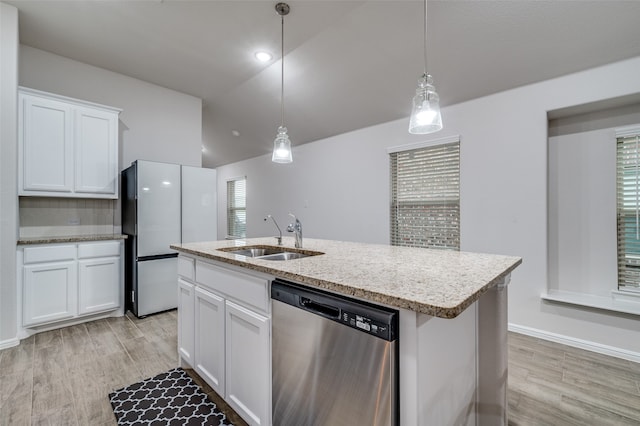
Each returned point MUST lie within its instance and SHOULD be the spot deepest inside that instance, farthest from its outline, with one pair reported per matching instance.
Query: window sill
(620, 301)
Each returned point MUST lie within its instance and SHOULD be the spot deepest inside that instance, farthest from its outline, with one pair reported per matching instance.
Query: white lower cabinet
(49, 292)
(185, 320)
(66, 281)
(231, 331)
(97, 289)
(210, 339)
(248, 363)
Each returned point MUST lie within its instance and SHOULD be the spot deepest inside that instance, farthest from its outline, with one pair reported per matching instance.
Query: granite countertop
(435, 282)
(70, 239)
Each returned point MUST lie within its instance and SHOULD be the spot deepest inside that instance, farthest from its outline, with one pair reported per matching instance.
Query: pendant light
(425, 115)
(282, 144)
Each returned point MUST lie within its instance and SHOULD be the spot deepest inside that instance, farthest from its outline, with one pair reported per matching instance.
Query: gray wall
(156, 123)
(339, 187)
(8, 171)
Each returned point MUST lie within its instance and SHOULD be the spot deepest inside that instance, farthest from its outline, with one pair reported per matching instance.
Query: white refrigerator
(162, 204)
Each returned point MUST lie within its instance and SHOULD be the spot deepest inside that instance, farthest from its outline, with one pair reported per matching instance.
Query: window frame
(628, 208)
(437, 200)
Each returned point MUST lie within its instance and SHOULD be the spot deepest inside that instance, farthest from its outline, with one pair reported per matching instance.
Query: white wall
(156, 123)
(339, 187)
(8, 172)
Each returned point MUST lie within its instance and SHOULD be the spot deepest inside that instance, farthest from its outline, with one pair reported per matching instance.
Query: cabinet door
(96, 152)
(209, 339)
(185, 321)
(49, 292)
(98, 285)
(46, 145)
(248, 360)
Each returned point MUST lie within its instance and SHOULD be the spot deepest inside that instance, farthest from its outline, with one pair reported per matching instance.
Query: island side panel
(438, 369)
(493, 355)
(408, 392)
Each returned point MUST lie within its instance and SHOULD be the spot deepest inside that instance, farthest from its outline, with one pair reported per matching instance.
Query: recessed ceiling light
(264, 56)
(235, 133)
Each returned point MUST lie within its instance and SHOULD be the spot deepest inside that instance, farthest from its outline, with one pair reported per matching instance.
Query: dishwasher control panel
(366, 324)
(366, 317)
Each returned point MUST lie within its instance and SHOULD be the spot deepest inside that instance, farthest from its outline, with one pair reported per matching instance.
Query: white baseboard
(577, 343)
(9, 343)
(23, 332)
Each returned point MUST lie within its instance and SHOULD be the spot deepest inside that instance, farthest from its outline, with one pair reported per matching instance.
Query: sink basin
(255, 252)
(270, 252)
(285, 256)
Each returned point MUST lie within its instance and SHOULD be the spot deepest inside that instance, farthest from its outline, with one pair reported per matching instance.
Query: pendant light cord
(282, 73)
(425, 37)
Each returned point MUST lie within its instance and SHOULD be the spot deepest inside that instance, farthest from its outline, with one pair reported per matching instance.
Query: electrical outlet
(73, 221)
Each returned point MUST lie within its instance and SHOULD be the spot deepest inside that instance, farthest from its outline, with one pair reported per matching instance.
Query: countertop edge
(373, 296)
(69, 239)
(476, 296)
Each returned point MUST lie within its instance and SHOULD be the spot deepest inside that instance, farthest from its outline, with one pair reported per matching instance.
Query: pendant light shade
(282, 147)
(282, 144)
(425, 114)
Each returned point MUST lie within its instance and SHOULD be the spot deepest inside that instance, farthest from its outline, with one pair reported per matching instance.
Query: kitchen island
(453, 317)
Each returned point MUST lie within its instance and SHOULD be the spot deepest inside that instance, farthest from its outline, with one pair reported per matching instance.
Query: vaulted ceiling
(348, 64)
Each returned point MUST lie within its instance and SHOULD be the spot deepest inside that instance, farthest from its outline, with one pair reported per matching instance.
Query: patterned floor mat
(170, 398)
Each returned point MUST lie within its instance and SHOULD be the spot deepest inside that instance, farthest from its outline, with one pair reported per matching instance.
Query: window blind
(425, 197)
(628, 210)
(237, 208)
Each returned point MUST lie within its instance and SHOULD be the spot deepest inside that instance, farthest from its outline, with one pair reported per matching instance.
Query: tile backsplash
(55, 217)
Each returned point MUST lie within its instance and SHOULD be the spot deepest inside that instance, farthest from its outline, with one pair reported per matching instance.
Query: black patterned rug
(170, 398)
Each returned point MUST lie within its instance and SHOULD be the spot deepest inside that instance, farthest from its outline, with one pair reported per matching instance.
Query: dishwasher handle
(319, 308)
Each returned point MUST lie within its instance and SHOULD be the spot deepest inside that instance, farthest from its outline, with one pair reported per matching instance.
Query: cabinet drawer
(50, 253)
(185, 268)
(244, 288)
(108, 249)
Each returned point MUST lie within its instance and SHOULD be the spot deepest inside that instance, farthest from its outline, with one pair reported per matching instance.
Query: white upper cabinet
(68, 147)
(46, 142)
(96, 150)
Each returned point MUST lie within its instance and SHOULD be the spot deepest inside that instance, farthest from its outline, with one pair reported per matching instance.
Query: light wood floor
(63, 377)
(552, 384)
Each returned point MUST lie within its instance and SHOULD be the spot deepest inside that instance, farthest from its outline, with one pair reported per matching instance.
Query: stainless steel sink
(285, 256)
(255, 252)
(270, 252)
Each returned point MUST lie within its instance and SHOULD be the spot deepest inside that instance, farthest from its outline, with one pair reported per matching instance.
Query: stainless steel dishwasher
(335, 359)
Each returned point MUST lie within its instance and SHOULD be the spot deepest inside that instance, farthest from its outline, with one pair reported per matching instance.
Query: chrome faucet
(279, 238)
(296, 227)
